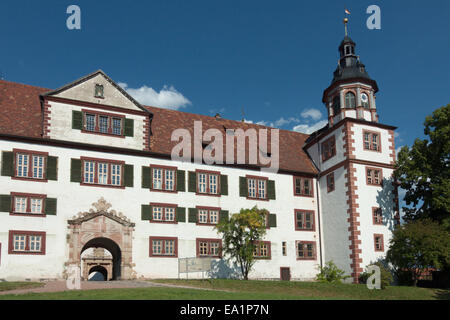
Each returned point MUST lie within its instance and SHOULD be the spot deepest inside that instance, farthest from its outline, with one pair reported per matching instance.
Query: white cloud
(168, 97)
(312, 113)
(282, 121)
(308, 129)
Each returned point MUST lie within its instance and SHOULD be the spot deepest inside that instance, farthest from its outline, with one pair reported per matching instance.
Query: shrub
(385, 275)
(331, 273)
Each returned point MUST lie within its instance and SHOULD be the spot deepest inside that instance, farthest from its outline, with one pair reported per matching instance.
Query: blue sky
(271, 58)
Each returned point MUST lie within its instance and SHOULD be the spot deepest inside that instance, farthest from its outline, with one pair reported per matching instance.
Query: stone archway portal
(102, 223)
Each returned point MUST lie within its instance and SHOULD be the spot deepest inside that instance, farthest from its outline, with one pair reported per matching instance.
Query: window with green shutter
(52, 168)
(5, 203)
(223, 185)
(243, 189)
(50, 206)
(77, 120)
(181, 214)
(146, 212)
(146, 177)
(181, 180)
(223, 215)
(193, 215)
(7, 164)
(192, 181)
(271, 189)
(129, 128)
(75, 170)
(128, 175)
(272, 220)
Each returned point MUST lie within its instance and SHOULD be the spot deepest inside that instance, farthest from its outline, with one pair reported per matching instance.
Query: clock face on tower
(364, 98)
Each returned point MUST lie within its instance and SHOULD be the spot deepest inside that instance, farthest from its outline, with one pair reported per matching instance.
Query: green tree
(424, 171)
(240, 232)
(419, 245)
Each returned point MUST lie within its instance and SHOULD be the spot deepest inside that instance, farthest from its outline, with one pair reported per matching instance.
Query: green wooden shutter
(50, 206)
(271, 189)
(52, 168)
(223, 185)
(192, 183)
(128, 175)
(129, 128)
(181, 180)
(193, 215)
(146, 177)
(75, 170)
(77, 120)
(7, 164)
(146, 212)
(223, 215)
(181, 214)
(5, 203)
(243, 189)
(272, 220)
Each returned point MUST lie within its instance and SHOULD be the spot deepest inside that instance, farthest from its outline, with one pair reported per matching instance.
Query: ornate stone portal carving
(106, 228)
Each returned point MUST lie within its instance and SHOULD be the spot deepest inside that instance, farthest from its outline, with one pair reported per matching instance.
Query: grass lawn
(5, 286)
(240, 290)
(315, 290)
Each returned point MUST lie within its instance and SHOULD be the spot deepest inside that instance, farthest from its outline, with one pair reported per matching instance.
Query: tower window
(336, 105)
(371, 141)
(350, 100)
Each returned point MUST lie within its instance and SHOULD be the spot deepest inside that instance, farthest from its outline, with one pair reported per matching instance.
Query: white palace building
(86, 166)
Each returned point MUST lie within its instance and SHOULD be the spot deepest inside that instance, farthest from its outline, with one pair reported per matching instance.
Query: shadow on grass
(442, 294)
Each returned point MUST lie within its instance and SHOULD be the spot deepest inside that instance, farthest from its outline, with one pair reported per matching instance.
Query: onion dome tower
(352, 91)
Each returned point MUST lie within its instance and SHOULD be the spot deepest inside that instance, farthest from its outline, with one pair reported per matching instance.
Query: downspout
(318, 208)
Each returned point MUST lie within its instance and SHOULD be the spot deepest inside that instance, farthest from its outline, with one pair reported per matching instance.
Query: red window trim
(209, 215)
(306, 242)
(313, 222)
(329, 189)
(97, 115)
(257, 187)
(27, 242)
(375, 242)
(164, 206)
(164, 168)
(269, 250)
(373, 178)
(28, 196)
(151, 254)
(330, 142)
(370, 140)
(30, 154)
(107, 161)
(208, 240)
(208, 173)
(302, 185)
(373, 216)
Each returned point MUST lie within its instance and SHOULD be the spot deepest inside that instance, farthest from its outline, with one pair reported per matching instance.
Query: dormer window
(99, 91)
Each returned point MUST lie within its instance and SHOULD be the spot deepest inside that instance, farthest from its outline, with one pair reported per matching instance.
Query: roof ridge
(237, 121)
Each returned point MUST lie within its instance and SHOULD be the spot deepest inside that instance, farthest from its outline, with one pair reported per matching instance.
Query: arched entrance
(105, 255)
(94, 272)
(102, 228)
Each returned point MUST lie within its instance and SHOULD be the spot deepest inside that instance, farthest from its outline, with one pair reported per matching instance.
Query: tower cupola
(352, 91)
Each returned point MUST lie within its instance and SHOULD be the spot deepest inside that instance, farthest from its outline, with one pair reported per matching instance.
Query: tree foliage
(419, 245)
(240, 233)
(424, 171)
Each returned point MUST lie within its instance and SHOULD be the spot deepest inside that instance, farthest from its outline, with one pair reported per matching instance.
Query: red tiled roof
(21, 115)
(20, 109)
